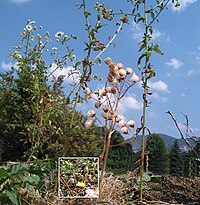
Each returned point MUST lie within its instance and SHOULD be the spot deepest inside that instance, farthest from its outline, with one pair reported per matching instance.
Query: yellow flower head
(81, 184)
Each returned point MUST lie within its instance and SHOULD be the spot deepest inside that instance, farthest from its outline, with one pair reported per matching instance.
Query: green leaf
(157, 50)
(146, 178)
(86, 14)
(77, 64)
(98, 17)
(74, 37)
(148, 54)
(140, 60)
(12, 196)
(3, 173)
(155, 180)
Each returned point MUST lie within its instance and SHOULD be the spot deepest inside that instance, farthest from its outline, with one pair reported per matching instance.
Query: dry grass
(123, 190)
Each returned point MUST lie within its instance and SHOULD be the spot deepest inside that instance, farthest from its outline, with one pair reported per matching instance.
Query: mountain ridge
(169, 141)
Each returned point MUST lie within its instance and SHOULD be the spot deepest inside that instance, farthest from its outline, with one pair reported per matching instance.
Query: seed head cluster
(119, 80)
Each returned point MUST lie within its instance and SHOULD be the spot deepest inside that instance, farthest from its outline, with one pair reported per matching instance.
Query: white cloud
(158, 97)
(20, 1)
(129, 103)
(175, 63)
(7, 66)
(183, 5)
(64, 71)
(159, 86)
(152, 115)
(193, 72)
(138, 33)
(183, 95)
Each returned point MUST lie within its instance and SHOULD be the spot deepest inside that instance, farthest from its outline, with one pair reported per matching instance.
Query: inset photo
(78, 177)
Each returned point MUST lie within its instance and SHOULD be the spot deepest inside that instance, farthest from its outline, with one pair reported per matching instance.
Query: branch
(182, 136)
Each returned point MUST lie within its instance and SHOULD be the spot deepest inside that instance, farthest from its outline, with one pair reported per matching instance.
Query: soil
(175, 190)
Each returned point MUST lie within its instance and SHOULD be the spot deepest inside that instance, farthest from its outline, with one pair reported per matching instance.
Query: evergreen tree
(176, 162)
(158, 159)
(191, 163)
(120, 158)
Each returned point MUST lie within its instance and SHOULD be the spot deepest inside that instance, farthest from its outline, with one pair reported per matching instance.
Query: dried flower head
(111, 65)
(108, 89)
(114, 71)
(91, 113)
(102, 92)
(106, 108)
(119, 117)
(129, 70)
(113, 90)
(115, 82)
(134, 78)
(122, 123)
(104, 115)
(97, 104)
(108, 60)
(120, 65)
(87, 96)
(122, 72)
(88, 123)
(87, 91)
(124, 130)
(131, 123)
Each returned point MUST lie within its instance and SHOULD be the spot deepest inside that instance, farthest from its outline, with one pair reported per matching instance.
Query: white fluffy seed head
(124, 130)
(131, 123)
(134, 78)
(122, 72)
(119, 117)
(120, 65)
(129, 70)
(122, 123)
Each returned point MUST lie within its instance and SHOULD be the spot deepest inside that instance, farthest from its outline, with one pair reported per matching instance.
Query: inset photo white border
(78, 177)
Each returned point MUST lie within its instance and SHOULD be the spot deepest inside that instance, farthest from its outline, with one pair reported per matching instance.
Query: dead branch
(186, 137)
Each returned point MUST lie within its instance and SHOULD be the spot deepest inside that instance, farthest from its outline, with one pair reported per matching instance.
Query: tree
(158, 159)
(35, 115)
(120, 158)
(176, 162)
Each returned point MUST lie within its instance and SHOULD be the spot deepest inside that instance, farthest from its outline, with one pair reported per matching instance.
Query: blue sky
(176, 85)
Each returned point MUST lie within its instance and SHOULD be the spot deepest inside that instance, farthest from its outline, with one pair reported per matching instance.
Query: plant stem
(144, 107)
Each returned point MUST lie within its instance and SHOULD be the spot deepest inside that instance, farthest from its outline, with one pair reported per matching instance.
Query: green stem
(84, 68)
(144, 107)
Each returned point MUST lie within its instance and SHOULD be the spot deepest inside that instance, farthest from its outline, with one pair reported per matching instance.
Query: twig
(182, 136)
(65, 183)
